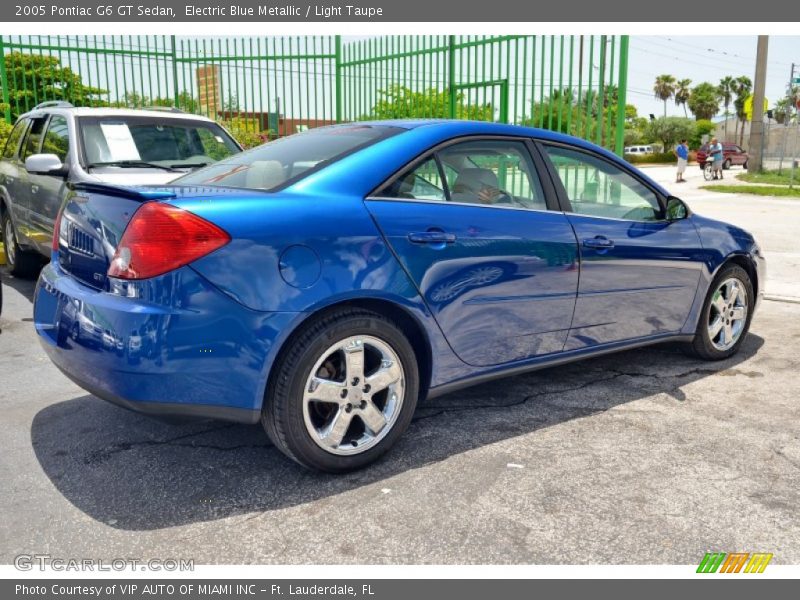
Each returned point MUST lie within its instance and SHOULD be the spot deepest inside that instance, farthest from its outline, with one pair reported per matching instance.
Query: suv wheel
(20, 263)
(727, 164)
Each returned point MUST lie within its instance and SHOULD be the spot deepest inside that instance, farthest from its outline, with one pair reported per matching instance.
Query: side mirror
(676, 209)
(45, 164)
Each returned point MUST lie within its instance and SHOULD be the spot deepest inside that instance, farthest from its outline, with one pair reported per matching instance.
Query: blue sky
(704, 58)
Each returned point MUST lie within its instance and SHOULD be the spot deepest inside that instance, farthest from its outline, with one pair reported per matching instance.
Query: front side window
(166, 142)
(288, 159)
(33, 141)
(488, 172)
(13, 140)
(598, 188)
(56, 140)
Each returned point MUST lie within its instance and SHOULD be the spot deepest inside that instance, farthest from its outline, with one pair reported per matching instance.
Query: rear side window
(288, 159)
(56, 140)
(489, 172)
(12, 144)
(33, 141)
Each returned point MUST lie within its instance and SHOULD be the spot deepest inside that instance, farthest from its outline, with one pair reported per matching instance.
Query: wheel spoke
(738, 313)
(728, 334)
(388, 374)
(715, 327)
(324, 390)
(354, 360)
(373, 418)
(719, 303)
(733, 292)
(334, 433)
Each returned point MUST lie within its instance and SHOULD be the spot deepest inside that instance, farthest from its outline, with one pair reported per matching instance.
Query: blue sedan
(324, 283)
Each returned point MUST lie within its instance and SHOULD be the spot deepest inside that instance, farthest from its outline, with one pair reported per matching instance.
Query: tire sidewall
(702, 338)
(300, 444)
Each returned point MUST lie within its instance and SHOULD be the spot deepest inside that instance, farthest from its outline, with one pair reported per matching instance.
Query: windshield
(288, 159)
(148, 141)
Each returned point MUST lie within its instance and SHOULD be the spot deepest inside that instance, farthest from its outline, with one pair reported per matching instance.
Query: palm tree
(743, 85)
(726, 88)
(664, 89)
(682, 93)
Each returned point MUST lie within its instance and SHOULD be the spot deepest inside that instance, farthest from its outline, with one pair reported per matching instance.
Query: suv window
(33, 140)
(12, 144)
(56, 140)
(598, 188)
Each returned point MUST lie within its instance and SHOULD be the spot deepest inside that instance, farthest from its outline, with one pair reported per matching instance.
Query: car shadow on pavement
(135, 473)
(25, 286)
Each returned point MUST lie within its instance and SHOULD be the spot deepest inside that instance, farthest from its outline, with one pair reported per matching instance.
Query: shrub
(656, 158)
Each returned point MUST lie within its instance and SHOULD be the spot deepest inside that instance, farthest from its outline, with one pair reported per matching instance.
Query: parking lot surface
(642, 457)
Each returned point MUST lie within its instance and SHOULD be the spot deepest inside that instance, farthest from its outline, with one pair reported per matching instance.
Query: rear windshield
(172, 143)
(286, 160)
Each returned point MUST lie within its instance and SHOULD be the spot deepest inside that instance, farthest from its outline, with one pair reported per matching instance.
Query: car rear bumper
(199, 354)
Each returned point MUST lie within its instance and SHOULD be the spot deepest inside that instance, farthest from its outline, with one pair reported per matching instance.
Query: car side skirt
(555, 360)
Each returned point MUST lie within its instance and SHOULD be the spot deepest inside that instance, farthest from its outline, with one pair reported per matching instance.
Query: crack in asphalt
(103, 454)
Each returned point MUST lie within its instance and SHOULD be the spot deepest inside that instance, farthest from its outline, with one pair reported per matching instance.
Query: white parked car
(638, 150)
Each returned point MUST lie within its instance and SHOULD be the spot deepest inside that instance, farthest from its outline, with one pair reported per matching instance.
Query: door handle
(431, 237)
(599, 242)
(34, 188)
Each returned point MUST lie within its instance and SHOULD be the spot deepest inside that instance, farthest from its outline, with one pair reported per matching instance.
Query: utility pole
(757, 124)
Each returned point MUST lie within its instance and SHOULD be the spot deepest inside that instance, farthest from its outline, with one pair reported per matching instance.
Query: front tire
(343, 391)
(727, 164)
(20, 263)
(725, 319)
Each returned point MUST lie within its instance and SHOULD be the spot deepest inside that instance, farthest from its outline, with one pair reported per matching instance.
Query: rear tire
(725, 319)
(320, 409)
(20, 263)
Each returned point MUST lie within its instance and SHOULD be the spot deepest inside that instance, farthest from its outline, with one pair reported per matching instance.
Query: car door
(47, 190)
(473, 225)
(11, 171)
(23, 186)
(639, 271)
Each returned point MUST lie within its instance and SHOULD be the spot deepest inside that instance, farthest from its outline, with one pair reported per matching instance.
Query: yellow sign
(748, 107)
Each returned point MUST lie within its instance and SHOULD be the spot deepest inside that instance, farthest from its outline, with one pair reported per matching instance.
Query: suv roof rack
(172, 109)
(54, 104)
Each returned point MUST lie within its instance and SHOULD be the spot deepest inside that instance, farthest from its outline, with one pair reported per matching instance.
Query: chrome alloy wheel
(354, 394)
(728, 314)
(8, 238)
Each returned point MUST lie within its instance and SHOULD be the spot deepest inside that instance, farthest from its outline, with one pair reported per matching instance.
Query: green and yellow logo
(735, 562)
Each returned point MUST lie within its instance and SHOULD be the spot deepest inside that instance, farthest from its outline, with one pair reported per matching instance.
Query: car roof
(85, 111)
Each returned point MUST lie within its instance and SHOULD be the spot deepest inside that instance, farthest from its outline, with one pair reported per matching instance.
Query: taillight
(161, 238)
(57, 230)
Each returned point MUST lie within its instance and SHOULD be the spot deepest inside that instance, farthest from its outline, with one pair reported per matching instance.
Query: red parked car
(733, 155)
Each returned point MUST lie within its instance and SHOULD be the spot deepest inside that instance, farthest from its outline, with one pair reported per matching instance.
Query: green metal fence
(573, 84)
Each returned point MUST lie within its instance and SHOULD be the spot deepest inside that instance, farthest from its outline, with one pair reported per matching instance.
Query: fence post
(338, 60)
(451, 74)
(622, 90)
(4, 80)
(174, 70)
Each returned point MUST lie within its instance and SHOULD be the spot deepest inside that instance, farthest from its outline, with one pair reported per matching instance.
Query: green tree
(701, 127)
(704, 101)
(682, 93)
(670, 130)
(664, 89)
(35, 78)
(742, 88)
(725, 91)
(400, 102)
